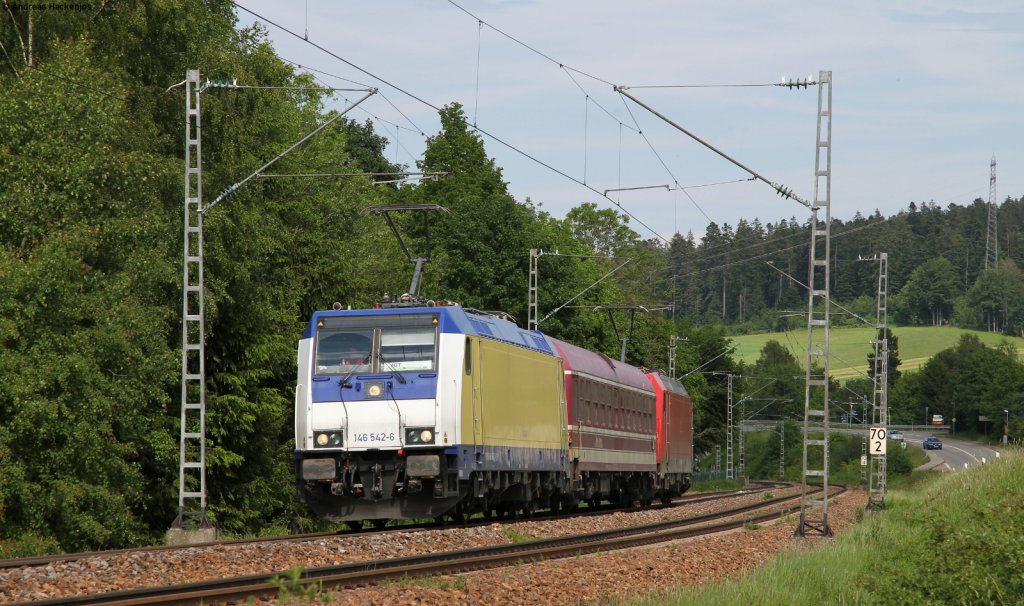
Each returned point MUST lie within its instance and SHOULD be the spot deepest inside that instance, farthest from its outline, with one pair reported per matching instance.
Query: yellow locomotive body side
(513, 413)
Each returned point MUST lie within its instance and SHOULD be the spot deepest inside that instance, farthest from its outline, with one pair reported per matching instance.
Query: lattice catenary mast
(877, 465)
(814, 511)
(192, 443)
(191, 523)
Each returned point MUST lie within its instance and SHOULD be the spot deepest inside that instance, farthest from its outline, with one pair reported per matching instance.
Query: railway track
(369, 572)
(12, 563)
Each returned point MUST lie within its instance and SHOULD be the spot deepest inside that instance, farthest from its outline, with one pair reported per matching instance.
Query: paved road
(955, 454)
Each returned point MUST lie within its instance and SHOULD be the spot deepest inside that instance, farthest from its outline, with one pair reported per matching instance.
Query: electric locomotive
(430, 411)
(674, 411)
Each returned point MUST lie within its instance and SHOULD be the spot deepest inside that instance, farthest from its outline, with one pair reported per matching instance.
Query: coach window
(595, 404)
(581, 396)
(467, 364)
(616, 408)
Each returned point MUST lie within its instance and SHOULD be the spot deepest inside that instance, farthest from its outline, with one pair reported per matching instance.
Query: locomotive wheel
(355, 525)
(380, 524)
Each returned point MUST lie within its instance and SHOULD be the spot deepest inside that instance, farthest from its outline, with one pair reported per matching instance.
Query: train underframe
(377, 486)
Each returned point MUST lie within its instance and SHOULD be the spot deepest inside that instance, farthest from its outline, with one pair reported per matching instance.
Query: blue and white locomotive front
(371, 432)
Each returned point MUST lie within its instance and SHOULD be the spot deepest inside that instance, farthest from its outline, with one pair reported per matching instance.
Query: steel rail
(267, 586)
(34, 561)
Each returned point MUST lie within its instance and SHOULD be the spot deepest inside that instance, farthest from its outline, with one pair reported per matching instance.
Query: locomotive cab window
(343, 351)
(405, 348)
(399, 343)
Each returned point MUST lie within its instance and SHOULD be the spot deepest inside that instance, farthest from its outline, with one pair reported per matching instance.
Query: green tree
(604, 231)
(482, 246)
(777, 365)
(892, 355)
(86, 369)
(995, 302)
(963, 382)
(927, 297)
(90, 245)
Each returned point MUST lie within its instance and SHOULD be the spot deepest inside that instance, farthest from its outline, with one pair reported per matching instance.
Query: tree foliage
(928, 296)
(965, 382)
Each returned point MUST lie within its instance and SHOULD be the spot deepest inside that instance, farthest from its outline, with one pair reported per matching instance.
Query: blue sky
(924, 93)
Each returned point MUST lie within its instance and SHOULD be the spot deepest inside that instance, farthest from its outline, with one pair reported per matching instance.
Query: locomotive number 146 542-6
(374, 437)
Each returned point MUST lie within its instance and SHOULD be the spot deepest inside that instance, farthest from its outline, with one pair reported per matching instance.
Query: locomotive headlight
(374, 389)
(328, 439)
(419, 435)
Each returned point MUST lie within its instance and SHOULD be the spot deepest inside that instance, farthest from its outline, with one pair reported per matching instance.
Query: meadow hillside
(850, 346)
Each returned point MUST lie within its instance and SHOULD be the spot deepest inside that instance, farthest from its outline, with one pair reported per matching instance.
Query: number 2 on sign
(876, 440)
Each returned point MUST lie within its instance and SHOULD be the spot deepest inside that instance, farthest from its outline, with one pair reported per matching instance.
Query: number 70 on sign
(876, 440)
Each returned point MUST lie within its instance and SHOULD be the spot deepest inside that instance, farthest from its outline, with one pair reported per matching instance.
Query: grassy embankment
(850, 346)
(954, 538)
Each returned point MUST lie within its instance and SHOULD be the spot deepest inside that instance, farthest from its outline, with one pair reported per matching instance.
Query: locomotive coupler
(377, 491)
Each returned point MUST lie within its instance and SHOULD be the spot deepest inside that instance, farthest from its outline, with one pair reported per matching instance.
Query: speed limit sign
(876, 440)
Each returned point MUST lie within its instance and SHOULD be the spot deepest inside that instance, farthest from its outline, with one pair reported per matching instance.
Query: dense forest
(91, 198)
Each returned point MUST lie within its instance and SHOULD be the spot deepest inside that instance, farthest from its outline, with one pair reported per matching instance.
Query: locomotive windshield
(392, 343)
(407, 347)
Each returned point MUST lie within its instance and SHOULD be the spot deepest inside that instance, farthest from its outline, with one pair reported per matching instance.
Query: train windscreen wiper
(398, 375)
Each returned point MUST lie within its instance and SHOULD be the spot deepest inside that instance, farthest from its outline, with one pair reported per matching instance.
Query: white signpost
(876, 440)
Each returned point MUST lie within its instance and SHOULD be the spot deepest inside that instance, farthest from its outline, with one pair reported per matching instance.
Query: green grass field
(850, 346)
(952, 538)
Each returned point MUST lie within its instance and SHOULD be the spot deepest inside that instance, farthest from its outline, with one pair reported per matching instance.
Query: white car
(896, 435)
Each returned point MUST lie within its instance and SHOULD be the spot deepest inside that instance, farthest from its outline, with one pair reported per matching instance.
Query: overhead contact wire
(438, 109)
(479, 38)
(528, 47)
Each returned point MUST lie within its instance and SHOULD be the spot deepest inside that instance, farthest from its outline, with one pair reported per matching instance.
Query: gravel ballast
(574, 580)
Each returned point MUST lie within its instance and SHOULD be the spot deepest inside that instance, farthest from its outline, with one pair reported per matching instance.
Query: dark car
(932, 443)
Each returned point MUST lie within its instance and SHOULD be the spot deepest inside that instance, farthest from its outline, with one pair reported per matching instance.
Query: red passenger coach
(675, 435)
(612, 427)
